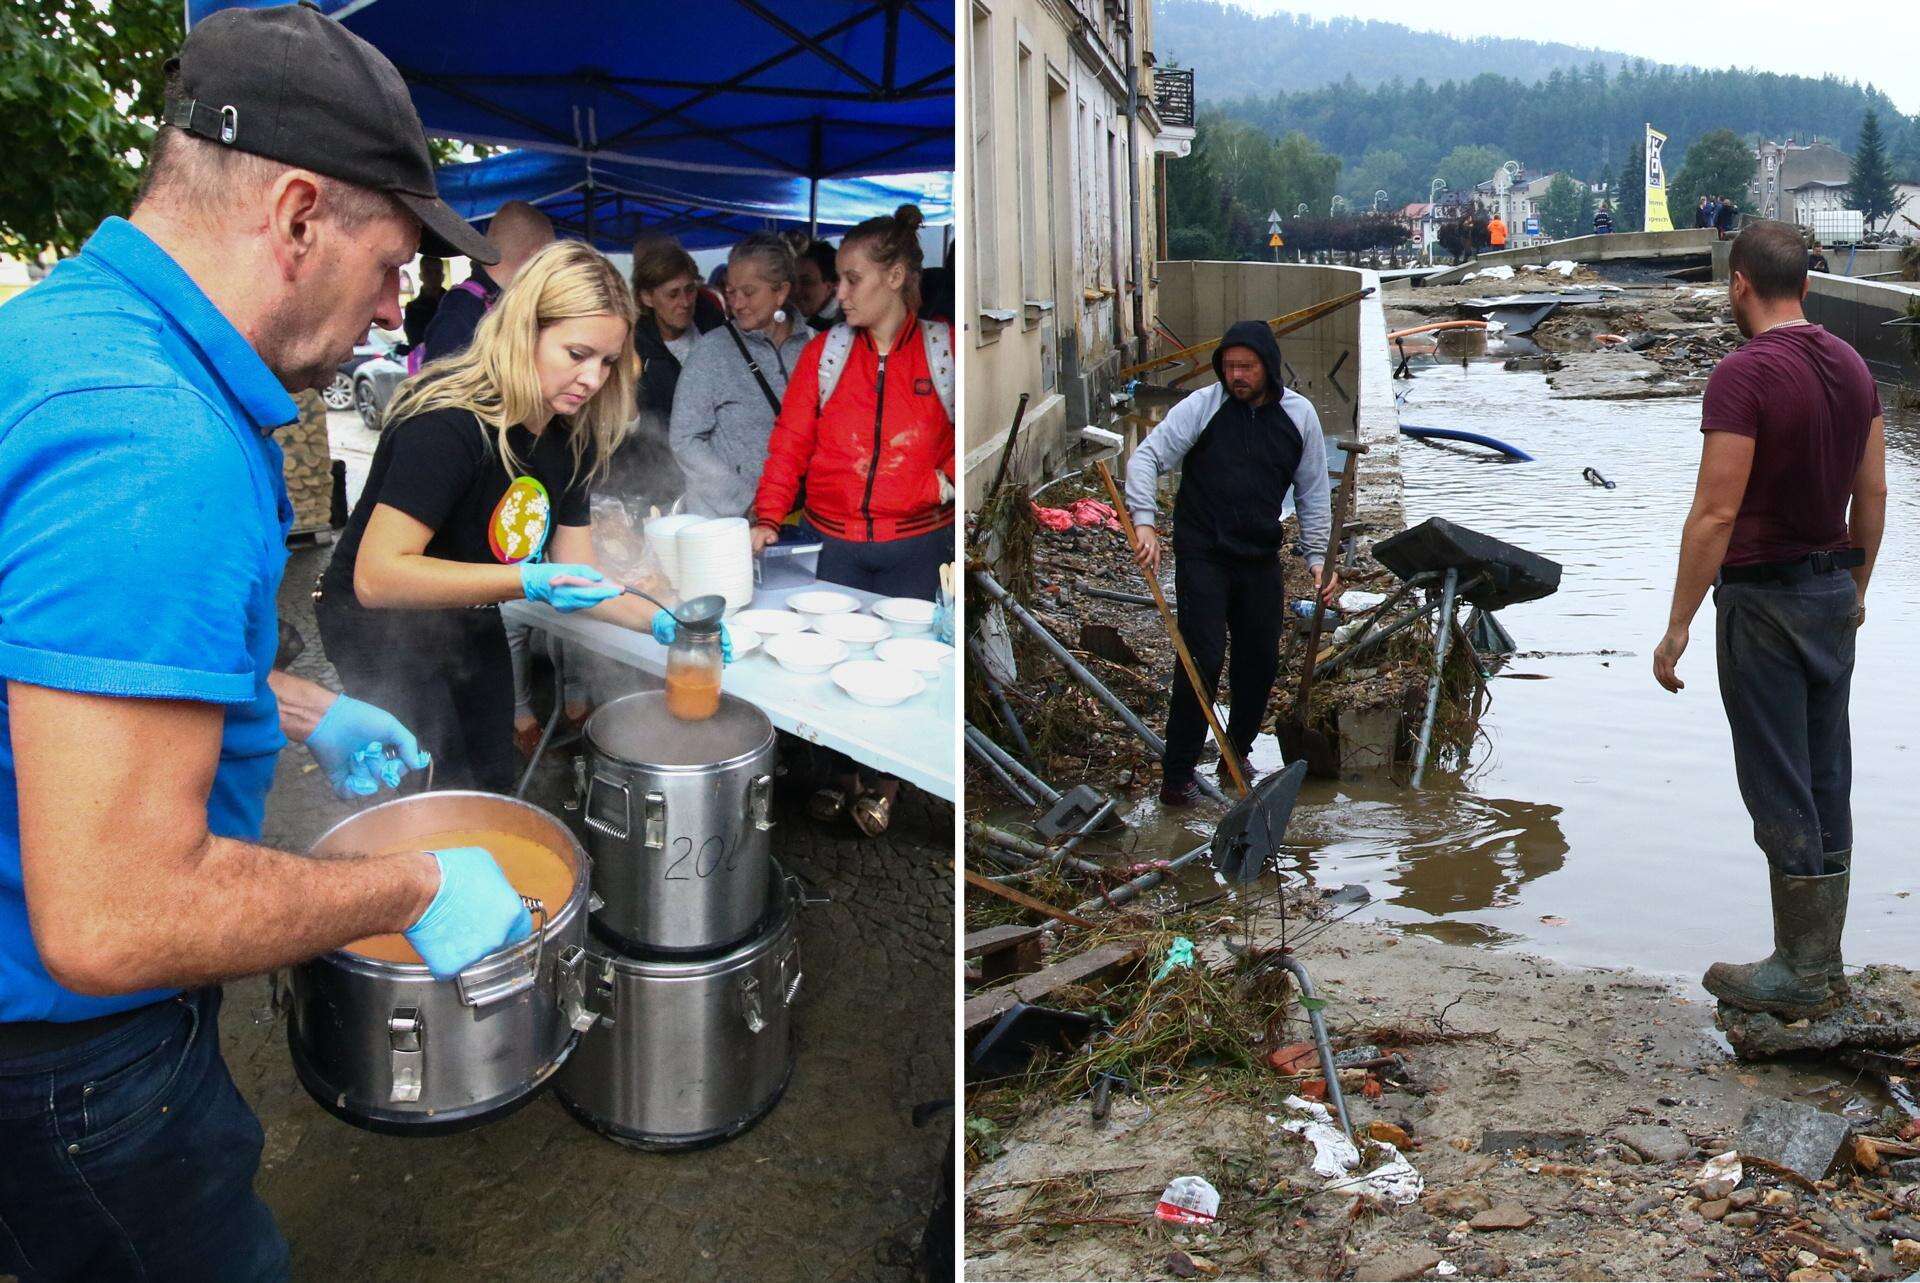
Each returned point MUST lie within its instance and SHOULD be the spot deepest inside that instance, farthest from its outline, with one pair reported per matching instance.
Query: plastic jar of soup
(693, 671)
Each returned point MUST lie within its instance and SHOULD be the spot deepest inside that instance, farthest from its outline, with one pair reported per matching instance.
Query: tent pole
(813, 182)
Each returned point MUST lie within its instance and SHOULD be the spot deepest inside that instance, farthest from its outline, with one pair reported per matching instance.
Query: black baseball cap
(293, 85)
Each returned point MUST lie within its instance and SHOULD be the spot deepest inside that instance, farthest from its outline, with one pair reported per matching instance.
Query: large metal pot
(688, 1052)
(678, 817)
(387, 1047)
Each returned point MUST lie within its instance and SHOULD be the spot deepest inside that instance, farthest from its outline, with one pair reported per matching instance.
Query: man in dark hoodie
(1242, 446)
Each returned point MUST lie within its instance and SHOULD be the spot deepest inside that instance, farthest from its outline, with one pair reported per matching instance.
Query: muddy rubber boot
(1791, 982)
(1839, 863)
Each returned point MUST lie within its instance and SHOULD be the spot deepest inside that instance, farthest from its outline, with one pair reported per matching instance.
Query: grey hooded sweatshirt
(721, 420)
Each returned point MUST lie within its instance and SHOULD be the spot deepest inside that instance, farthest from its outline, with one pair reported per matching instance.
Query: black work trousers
(1785, 655)
(1222, 598)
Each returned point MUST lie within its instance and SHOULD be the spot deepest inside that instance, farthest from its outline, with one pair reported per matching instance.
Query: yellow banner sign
(1657, 218)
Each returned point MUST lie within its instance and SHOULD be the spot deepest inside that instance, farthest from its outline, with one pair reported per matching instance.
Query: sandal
(827, 805)
(872, 813)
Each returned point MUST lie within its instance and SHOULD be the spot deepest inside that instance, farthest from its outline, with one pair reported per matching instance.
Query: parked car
(339, 394)
(373, 385)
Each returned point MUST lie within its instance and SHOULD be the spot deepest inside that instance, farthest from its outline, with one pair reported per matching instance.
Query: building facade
(1064, 223)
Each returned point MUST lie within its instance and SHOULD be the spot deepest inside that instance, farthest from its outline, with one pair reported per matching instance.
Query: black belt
(1791, 572)
(23, 1038)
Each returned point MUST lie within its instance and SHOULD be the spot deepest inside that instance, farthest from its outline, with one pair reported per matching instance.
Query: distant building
(1783, 168)
(1516, 198)
(1065, 218)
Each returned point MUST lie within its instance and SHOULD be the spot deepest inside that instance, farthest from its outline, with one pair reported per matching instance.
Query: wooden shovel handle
(1338, 524)
(1200, 690)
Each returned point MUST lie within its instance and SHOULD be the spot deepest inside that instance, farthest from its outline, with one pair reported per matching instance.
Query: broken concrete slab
(1396, 1265)
(1881, 1013)
(1614, 375)
(1500, 1142)
(1797, 1137)
(1502, 1216)
(1655, 1144)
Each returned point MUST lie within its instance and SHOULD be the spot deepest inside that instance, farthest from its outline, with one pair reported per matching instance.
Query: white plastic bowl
(743, 640)
(805, 652)
(921, 654)
(820, 602)
(859, 632)
(771, 623)
(908, 615)
(868, 681)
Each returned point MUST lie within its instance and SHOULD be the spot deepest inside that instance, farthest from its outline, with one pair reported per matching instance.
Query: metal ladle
(699, 612)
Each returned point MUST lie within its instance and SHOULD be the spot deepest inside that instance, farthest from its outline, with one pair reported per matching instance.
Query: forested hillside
(1245, 53)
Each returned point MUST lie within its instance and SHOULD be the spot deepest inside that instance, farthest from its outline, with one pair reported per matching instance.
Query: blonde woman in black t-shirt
(478, 494)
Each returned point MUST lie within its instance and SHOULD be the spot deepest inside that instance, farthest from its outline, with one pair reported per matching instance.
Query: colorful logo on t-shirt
(518, 530)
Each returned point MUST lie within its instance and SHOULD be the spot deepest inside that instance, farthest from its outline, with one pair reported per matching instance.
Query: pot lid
(638, 729)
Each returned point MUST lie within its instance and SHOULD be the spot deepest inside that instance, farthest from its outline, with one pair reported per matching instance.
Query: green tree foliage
(1247, 53)
(1870, 180)
(1219, 196)
(80, 87)
(1718, 164)
(1906, 152)
(1466, 166)
(1562, 123)
(1630, 190)
(1381, 169)
(1561, 209)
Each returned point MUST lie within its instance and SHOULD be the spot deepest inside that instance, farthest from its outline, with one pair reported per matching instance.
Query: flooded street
(1599, 821)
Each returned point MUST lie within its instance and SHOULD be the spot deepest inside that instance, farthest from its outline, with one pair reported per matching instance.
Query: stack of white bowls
(661, 533)
(715, 555)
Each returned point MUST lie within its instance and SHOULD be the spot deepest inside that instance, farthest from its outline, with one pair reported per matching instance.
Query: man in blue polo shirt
(142, 538)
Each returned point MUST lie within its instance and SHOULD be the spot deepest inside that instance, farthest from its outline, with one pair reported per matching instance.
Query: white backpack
(939, 345)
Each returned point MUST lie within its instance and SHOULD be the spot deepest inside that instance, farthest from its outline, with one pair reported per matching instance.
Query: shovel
(1200, 690)
(1297, 739)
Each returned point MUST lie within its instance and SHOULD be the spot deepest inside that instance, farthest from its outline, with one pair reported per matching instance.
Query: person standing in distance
(1786, 522)
(141, 550)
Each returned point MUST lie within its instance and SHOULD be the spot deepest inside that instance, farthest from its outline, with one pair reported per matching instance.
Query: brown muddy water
(1598, 822)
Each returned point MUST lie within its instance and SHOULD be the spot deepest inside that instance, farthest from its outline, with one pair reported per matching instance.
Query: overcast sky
(1873, 44)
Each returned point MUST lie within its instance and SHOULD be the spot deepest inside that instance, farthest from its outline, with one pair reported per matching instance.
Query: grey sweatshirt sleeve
(1310, 483)
(692, 430)
(1162, 450)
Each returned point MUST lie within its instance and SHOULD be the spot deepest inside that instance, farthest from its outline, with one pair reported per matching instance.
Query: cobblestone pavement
(836, 1182)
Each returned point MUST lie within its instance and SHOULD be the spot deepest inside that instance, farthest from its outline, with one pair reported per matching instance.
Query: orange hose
(1437, 325)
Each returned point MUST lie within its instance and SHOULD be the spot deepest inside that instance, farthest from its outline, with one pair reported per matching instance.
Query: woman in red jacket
(876, 451)
(867, 426)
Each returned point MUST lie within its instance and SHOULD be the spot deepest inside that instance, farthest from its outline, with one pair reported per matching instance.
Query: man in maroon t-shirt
(1792, 496)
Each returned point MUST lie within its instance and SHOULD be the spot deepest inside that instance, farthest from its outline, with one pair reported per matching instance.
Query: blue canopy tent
(618, 200)
(809, 89)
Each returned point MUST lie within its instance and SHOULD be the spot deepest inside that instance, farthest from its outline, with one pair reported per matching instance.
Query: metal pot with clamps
(679, 818)
(380, 1043)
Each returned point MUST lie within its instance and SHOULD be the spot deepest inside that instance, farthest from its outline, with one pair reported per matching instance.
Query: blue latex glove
(351, 743)
(475, 912)
(665, 628)
(536, 581)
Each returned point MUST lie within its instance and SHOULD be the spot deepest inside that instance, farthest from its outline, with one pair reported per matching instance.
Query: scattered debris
(1188, 1200)
(1800, 1138)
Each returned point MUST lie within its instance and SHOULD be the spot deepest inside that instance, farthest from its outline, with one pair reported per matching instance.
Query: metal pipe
(1439, 668)
(1371, 639)
(998, 694)
(1133, 184)
(987, 760)
(1006, 841)
(1013, 766)
(1110, 594)
(1092, 683)
(1145, 882)
(1320, 1039)
(558, 655)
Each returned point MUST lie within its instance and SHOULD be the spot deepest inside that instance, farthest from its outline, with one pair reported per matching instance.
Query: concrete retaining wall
(1686, 243)
(1863, 262)
(1340, 362)
(1857, 312)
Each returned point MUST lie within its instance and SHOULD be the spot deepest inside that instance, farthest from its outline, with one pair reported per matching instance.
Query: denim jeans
(132, 1156)
(1785, 655)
